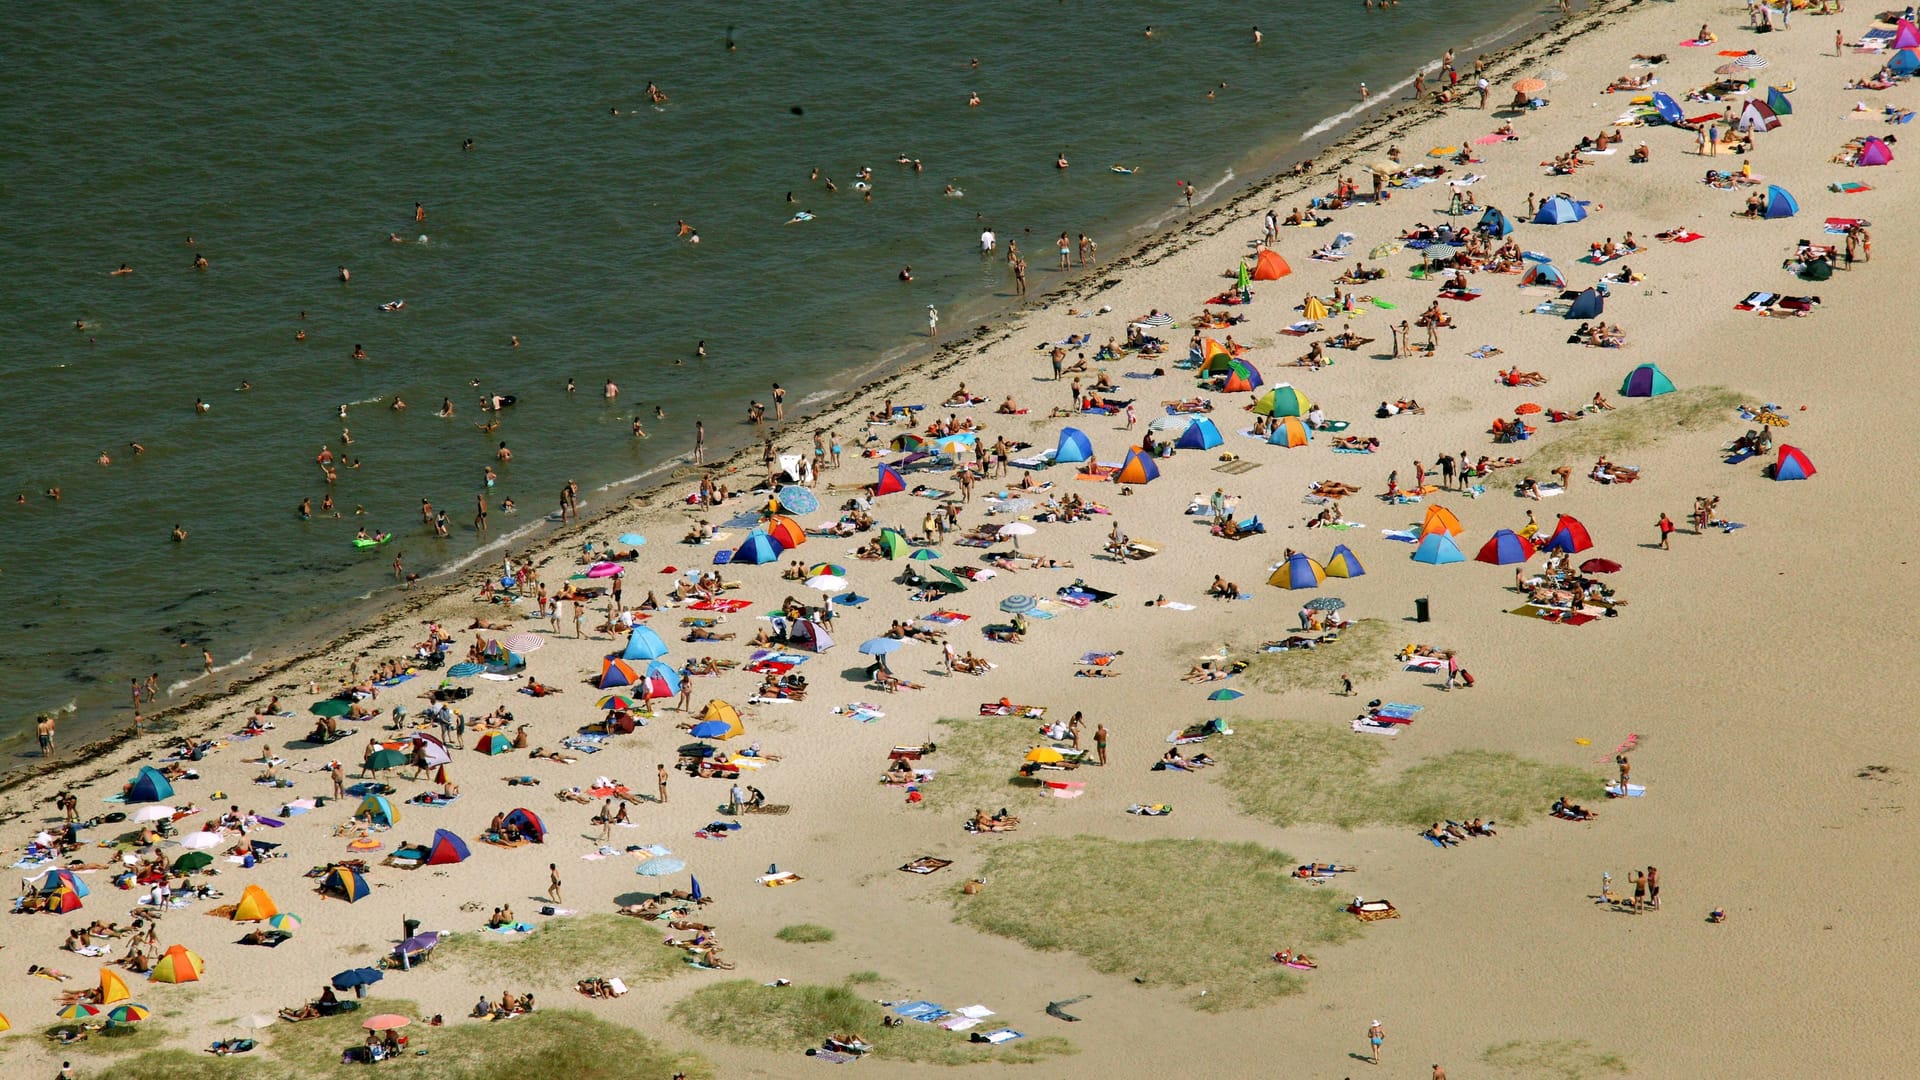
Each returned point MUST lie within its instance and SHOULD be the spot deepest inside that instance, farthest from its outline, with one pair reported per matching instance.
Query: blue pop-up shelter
(1543, 273)
(149, 785)
(1074, 447)
(1588, 305)
(644, 644)
(1138, 468)
(1201, 434)
(1343, 563)
(446, 849)
(1793, 464)
(1904, 62)
(1780, 203)
(1668, 108)
(1559, 210)
(1494, 223)
(1647, 380)
(1777, 101)
(1437, 548)
(758, 548)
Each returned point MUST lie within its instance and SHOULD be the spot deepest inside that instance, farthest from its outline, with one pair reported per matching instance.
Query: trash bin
(411, 926)
(1420, 610)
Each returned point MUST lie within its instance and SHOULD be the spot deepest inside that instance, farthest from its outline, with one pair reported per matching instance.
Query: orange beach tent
(1269, 266)
(255, 906)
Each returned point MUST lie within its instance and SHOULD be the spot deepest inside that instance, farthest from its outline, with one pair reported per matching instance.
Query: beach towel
(1004, 1035)
(926, 864)
(728, 606)
(1633, 791)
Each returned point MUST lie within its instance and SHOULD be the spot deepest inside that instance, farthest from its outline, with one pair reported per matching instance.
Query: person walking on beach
(1665, 525)
(553, 882)
(1375, 1036)
(206, 660)
(933, 314)
(661, 771)
(45, 732)
(699, 442)
(1453, 670)
(1019, 276)
(606, 820)
(1100, 742)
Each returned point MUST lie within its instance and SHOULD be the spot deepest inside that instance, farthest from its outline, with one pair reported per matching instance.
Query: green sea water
(288, 143)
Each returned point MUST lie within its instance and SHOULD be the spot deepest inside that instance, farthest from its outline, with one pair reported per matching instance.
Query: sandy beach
(1752, 673)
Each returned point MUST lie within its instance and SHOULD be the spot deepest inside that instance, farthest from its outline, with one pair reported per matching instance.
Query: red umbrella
(1599, 566)
(386, 1022)
(1526, 409)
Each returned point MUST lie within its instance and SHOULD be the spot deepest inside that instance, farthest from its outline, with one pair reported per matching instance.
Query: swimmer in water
(299, 335)
(831, 187)
(200, 407)
(638, 431)
(53, 493)
(136, 448)
(973, 100)
(513, 341)
(199, 262)
(123, 271)
(396, 238)
(1061, 161)
(468, 145)
(244, 386)
(399, 405)
(346, 274)
(906, 273)
(179, 533)
(682, 229)
(359, 353)
(104, 459)
(446, 407)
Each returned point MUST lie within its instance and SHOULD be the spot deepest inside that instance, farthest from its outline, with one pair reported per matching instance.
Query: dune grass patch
(804, 934)
(1290, 773)
(979, 762)
(1554, 1059)
(1633, 425)
(793, 1019)
(1192, 914)
(569, 949)
(1363, 653)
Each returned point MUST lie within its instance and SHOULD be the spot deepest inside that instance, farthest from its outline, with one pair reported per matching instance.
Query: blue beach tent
(1559, 210)
(1074, 447)
(1647, 380)
(1494, 223)
(644, 644)
(1778, 102)
(149, 785)
(1780, 203)
(1588, 305)
(1668, 108)
(1200, 435)
(758, 548)
(1437, 549)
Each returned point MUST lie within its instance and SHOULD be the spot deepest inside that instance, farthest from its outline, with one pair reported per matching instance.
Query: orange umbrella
(1526, 409)
(1530, 86)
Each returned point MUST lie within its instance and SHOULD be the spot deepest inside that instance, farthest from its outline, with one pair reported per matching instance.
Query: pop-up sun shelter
(1780, 203)
(1437, 548)
(59, 879)
(1756, 116)
(810, 634)
(1505, 548)
(1283, 400)
(1559, 210)
(346, 883)
(1137, 469)
(1298, 572)
(888, 482)
(380, 810)
(1792, 464)
(1074, 447)
(1269, 266)
(493, 743)
(178, 965)
(1569, 536)
(1543, 274)
(1777, 101)
(758, 548)
(644, 643)
(1494, 223)
(1904, 62)
(1875, 151)
(1906, 35)
(1201, 434)
(112, 988)
(1242, 378)
(149, 785)
(1440, 519)
(786, 532)
(255, 906)
(446, 849)
(1647, 380)
(528, 823)
(1342, 563)
(617, 672)
(1588, 305)
(1668, 108)
(1289, 432)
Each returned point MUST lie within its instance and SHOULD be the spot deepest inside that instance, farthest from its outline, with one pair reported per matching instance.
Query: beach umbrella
(826, 583)
(1526, 408)
(79, 1010)
(286, 920)
(827, 568)
(605, 570)
(1381, 251)
(465, 670)
(1600, 566)
(349, 979)
(1015, 530)
(387, 759)
(128, 1013)
(798, 500)
(713, 729)
(694, 890)
(202, 841)
(386, 1022)
(618, 702)
(524, 643)
(922, 555)
(660, 866)
(153, 813)
(910, 441)
(1044, 755)
(881, 646)
(1325, 603)
(1529, 85)
(1753, 61)
(633, 540)
(1226, 695)
(1019, 604)
(644, 643)
(193, 860)
(330, 707)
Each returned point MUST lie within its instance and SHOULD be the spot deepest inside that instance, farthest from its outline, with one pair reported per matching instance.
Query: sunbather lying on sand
(1000, 822)
(1334, 489)
(1571, 811)
(1515, 377)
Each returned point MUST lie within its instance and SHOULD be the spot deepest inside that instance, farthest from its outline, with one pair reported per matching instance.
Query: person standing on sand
(206, 660)
(1439, 1073)
(606, 820)
(1375, 1036)
(45, 732)
(1639, 880)
(1665, 524)
(1653, 887)
(661, 771)
(339, 776)
(1100, 742)
(1626, 770)
(553, 882)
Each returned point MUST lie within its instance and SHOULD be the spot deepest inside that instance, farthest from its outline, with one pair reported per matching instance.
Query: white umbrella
(202, 841)
(153, 813)
(1170, 425)
(1015, 530)
(827, 583)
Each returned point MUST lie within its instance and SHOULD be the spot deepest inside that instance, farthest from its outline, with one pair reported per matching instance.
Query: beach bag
(1466, 677)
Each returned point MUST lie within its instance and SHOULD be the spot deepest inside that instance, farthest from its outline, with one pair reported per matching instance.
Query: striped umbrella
(1019, 604)
(286, 920)
(524, 643)
(128, 1013)
(616, 701)
(462, 670)
(924, 555)
(1752, 62)
(79, 1010)
(827, 568)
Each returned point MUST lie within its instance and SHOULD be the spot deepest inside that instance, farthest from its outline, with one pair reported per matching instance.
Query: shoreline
(544, 539)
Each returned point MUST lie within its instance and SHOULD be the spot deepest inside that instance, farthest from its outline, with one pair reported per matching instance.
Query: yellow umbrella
(1314, 309)
(1044, 755)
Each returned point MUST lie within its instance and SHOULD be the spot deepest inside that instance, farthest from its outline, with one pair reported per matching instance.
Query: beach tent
(810, 634)
(1288, 432)
(1137, 469)
(644, 643)
(255, 906)
(786, 532)
(660, 680)
(1780, 203)
(1906, 35)
(1298, 572)
(1668, 108)
(1757, 117)
(1777, 101)
(1875, 151)
(1647, 380)
(1440, 519)
(1314, 309)
(432, 752)
(1904, 62)
(112, 988)
(149, 785)
(1074, 447)
(1343, 563)
(1494, 223)
(721, 712)
(346, 883)
(1283, 400)
(1588, 305)
(62, 879)
(1543, 274)
(65, 902)
(758, 548)
(381, 811)
(1242, 378)
(616, 672)
(1200, 435)
(528, 823)
(1438, 549)
(178, 965)
(1793, 464)
(5, 1024)
(893, 544)
(492, 744)
(1559, 210)
(1506, 547)
(1269, 266)
(888, 482)
(1569, 536)
(446, 849)
(1218, 358)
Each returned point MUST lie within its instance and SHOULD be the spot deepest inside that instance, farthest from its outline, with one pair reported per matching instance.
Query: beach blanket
(728, 606)
(926, 864)
(1633, 791)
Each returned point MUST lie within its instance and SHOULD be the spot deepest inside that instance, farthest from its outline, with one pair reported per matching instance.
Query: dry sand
(1761, 670)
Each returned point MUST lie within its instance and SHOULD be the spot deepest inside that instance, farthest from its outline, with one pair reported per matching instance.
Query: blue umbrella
(798, 500)
(660, 867)
(924, 554)
(1019, 604)
(1225, 695)
(710, 729)
(461, 671)
(347, 980)
(633, 539)
(880, 646)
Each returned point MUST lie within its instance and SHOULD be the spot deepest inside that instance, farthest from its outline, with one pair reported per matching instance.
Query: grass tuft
(1555, 1059)
(1201, 915)
(1289, 773)
(1364, 652)
(804, 934)
(794, 1019)
(587, 946)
